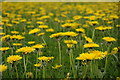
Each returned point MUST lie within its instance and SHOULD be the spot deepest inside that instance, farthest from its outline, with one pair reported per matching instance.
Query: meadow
(60, 40)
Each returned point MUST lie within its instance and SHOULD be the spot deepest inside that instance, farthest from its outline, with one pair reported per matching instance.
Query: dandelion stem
(93, 34)
(24, 64)
(91, 69)
(43, 71)
(43, 39)
(59, 51)
(71, 63)
(16, 71)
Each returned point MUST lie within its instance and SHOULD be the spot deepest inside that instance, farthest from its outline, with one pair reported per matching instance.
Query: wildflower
(25, 50)
(91, 55)
(117, 25)
(72, 34)
(19, 37)
(38, 65)
(80, 30)
(114, 50)
(69, 45)
(109, 39)
(13, 58)
(31, 42)
(2, 34)
(1, 28)
(34, 31)
(103, 28)
(70, 25)
(40, 34)
(56, 66)
(50, 30)
(17, 44)
(14, 32)
(89, 45)
(88, 39)
(4, 48)
(40, 22)
(6, 37)
(3, 68)
(56, 35)
(29, 75)
(43, 26)
(38, 46)
(44, 58)
(93, 23)
(70, 41)
(77, 17)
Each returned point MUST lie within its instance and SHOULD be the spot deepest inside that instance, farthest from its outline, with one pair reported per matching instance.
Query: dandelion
(90, 45)
(3, 68)
(31, 42)
(40, 34)
(70, 41)
(114, 50)
(56, 66)
(34, 31)
(13, 58)
(44, 58)
(4, 48)
(38, 46)
(14, 32)
(43, 26)
(17, 44)
(109, 39)
(72, 34)
(25, 50)
(29, 75)
(50, 30)
(80, 30)
(38, 65)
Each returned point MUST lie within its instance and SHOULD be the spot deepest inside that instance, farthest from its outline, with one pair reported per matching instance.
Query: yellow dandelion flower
(19, 37)
(31, 42)
(38, 46)
(5, 37)
(2, 34)
(43, 26)
(80, 30)
(13, 58)
(56, 66)
(69, 45)
(17, 44)
(56, 35)
(109, 39)
(3, 68)
(117, 25)
(72, 34)
(89, 45)
(77, 17)
(40, 34)
(4, 48)
(103, 28)
(25, 50)
(29, 75)
(70, 41)
(50, 30)
(88, 39)
(40, 22)
(114, 50)
(44, 58)
(34, 31)
(38, 65)
(14, 32)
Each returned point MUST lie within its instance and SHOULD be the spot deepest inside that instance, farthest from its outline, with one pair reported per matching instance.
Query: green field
(60, 40)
